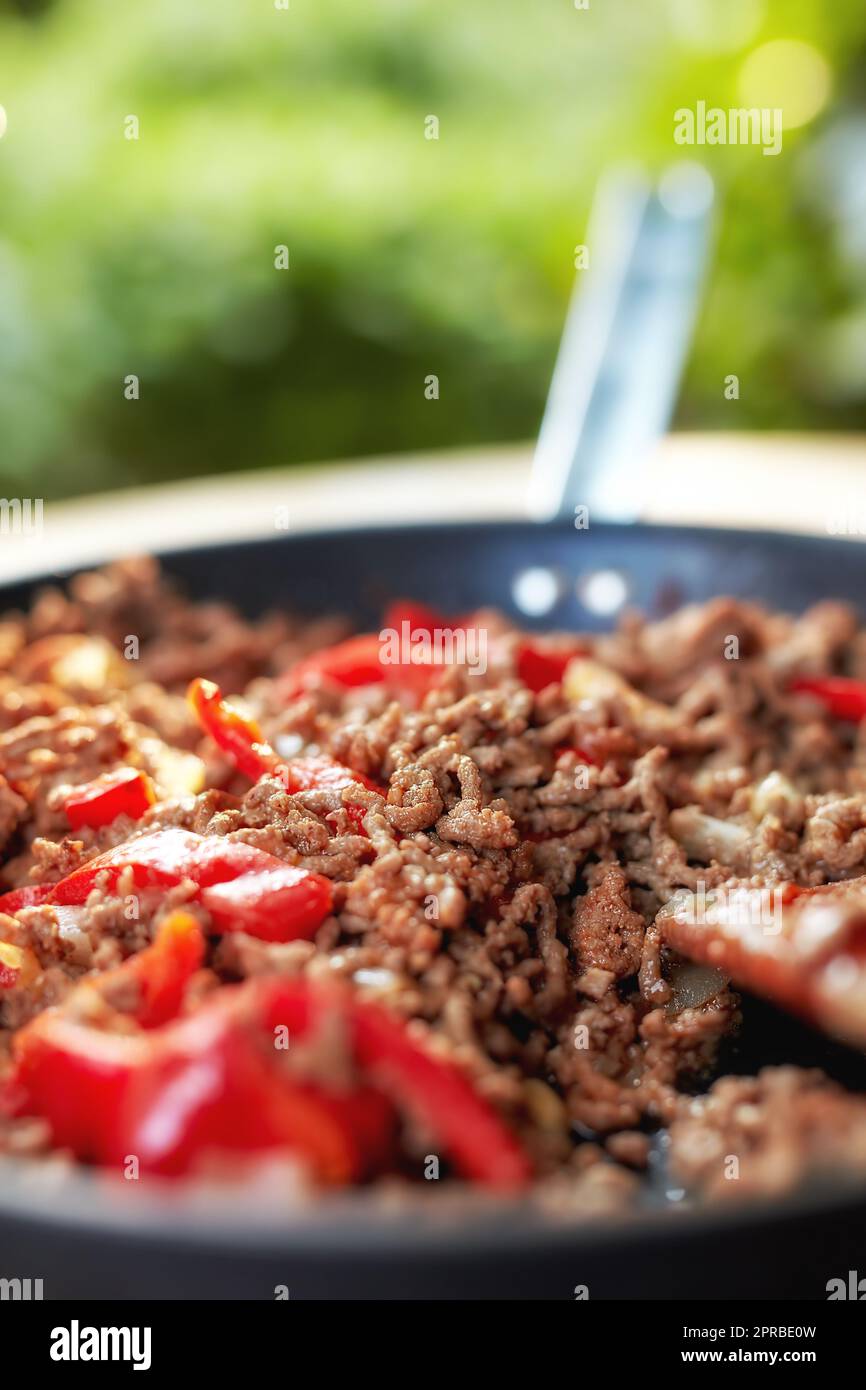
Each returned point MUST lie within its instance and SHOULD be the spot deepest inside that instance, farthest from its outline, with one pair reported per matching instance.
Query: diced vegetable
(804, 949)
(213, 1083)
(841, 696)
(74, 661)
(366, 660)
(162, 859)
(539, 667)
(278, 904)
(126, 792)
(239, 738)
(242, 741)
(301, 900)
(416, 1079)
(777, 795)
(31, 895)
(587, 680)
(163, 970)
(707, 838)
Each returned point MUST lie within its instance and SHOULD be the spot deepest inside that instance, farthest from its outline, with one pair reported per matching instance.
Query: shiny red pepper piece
(220, 1094)
(164, 858)
(213, 1083)
(126, 792)
(841, 696)
(163, 970)
(417, 1081)
(206, 1085)
(241, 740)
(173, 1096)
(31, 895)
(354, 662)
(538, 668)
(279, 904)
(362, 660)
(419, 616)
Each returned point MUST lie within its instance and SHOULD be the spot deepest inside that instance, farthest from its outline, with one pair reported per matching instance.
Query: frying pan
(87, 1240)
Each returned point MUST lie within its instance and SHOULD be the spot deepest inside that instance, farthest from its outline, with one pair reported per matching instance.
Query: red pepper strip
(164, 858)
(431, 1088)
(164, 969)
(201, 1085)
(226, 1098)
(315, 773)
(438, 1093)
(362, 660)
(31, 895)
(74, 1076)
(126, 792)
(419, 616)
(804, 949)
(842, 697)
(168, 857)
(354, 662)
(239, 738)
(275, 905)
(242, 741)
(538, 668)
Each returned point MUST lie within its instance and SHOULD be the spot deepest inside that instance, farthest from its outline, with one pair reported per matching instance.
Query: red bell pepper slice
(202, 1085)
(301, 900)
(419, 616)
(280, 904)
(211, 1083)
(360, 660)
(441, 1097)
(317, 772)
(164, 969)
(801, 948)
(31, 895)
(74, 1077)
(226, 1098)
(164, 858)
(354, 662)
(843, 697)
(539, 668)
(126, 792)
(241, 740)
(430, 1087)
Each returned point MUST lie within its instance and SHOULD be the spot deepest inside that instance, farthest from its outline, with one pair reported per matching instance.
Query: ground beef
(504, 882)
(765, 1134)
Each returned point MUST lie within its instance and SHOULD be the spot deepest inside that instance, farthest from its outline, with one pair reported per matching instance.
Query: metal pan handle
(626, 335)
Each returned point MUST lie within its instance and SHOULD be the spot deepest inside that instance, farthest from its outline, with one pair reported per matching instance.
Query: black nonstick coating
(86, 1243)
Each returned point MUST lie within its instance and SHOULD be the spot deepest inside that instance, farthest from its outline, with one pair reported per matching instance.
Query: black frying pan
(85, 1242)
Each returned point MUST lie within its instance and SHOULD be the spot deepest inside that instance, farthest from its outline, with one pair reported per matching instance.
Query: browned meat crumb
(763, 1135)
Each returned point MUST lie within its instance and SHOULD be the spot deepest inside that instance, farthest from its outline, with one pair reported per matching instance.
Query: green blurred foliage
(409, 256)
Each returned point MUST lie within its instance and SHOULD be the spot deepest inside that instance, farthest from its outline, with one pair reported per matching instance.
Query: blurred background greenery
(305, 127)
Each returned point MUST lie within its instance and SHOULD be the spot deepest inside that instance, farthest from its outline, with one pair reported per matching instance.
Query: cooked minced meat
(498, 871)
